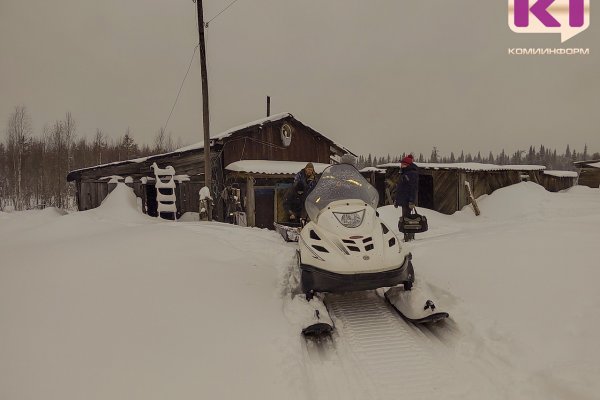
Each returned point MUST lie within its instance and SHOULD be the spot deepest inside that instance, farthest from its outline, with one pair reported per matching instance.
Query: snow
(561, 174)
(273, 167)
(470, 166)
(112, 178)
(121, 204)
(181, 178)
(595, 165)
(112, 304)
(167, 171)
(373, 169)
(204, 193)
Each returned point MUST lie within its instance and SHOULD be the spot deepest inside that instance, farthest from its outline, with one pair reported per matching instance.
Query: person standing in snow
(407, 189)
(304, 182)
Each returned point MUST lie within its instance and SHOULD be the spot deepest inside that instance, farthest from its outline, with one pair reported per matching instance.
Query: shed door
(425, 198)
(264, 199)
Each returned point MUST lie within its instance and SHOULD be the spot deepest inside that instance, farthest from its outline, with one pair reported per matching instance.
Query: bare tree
(19, 138)
(163, 142)
(99, 145)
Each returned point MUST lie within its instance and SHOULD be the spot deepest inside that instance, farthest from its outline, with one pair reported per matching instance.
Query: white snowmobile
(346, 247)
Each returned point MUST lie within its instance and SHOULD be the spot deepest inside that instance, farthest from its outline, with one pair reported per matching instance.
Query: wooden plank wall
(589, 177)
(556, 183)
(449, 194)
(378, 181)
(265, 144)
(92, 193)
(445, 194)
(485, 182)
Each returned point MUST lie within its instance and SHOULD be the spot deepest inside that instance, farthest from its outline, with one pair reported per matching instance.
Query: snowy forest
(33, 167)
(541, 155)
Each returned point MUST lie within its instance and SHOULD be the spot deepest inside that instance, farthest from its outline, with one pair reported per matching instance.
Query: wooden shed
(376, 177)
(555, 181)
(442, 187)
(589, 173)
(279, 137)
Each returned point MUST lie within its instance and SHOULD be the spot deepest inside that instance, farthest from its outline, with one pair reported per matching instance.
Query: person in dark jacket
(304, 182)
(407, 189)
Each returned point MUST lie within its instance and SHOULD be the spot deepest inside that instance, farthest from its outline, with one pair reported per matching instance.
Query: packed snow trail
(390, 352)
(375, 354)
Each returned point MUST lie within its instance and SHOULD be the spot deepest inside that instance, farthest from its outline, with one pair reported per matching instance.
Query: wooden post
(250, 202)
(205, 113)
(471, 198)
(462, 195)
(388, 196)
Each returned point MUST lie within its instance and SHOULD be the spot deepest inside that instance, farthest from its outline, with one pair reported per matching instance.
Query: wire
(221, 12)
(181, 87)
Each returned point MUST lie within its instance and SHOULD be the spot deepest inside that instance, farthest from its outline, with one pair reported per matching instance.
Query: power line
(181, 87)
(221, 12)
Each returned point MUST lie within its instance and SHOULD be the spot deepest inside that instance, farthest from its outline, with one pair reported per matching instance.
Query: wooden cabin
(276, 139)
(589, 173)
(442, 187)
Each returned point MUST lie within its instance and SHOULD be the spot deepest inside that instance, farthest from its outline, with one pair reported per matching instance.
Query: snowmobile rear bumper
(320, 280)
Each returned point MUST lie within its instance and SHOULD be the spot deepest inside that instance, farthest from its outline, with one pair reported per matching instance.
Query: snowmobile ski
(311, 315)
(321, 323)
(318, 329)
(415, 305)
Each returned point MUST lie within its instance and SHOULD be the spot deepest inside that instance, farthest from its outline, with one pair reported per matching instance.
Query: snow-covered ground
(112, 304)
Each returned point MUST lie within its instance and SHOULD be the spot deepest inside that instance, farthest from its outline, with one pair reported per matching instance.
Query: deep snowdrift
(112, 304)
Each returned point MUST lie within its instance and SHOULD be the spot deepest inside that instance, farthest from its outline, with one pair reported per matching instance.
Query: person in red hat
(407, 189)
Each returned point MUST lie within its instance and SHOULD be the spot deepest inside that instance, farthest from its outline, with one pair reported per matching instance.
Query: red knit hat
(408, 159)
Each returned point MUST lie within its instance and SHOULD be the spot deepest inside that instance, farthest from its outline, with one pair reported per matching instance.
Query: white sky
(383, 76)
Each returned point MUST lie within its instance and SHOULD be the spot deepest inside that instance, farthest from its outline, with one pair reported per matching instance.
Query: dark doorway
(281, 191)
(264, 199)
(151, 204)
(426, 191)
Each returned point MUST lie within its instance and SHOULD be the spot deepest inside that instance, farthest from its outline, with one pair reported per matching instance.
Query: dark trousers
(406, 211)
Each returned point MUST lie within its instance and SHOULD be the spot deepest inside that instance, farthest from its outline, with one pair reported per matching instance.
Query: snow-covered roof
(229, 132)
(587, 163)
(561, 174)
(470, 166)
(273, 167)
(200, 145)
(373, 169)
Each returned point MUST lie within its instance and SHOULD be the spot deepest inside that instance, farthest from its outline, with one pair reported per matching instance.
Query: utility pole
(268, 106)
(205, 114)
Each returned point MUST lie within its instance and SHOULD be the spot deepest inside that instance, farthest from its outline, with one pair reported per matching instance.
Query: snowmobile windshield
(340, 182)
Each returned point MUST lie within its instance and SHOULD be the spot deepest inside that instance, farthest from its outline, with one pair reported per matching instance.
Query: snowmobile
(346, 247)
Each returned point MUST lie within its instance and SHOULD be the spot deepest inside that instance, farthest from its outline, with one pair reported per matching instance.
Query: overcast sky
(380, 76)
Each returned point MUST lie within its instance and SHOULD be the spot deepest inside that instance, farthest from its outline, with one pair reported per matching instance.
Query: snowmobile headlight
(350, 220)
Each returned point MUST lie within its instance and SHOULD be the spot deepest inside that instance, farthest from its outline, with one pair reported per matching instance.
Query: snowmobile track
(397, 358)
